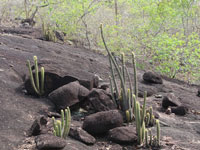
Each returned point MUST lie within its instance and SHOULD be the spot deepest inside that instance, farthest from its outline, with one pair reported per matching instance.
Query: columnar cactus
(61, 128)
(126, 98)
(38, 85)
(146, 138)
(140, 124)
(125, 102)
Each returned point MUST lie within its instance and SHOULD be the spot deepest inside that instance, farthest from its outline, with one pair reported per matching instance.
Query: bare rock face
(151, 77)
(170, 100)
(48, 141)
(123, 135)
(81, 135)
(101, 100)
(68, 95)
(101, 122)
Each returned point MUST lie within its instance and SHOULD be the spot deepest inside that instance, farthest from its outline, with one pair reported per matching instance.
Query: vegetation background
(164, 34)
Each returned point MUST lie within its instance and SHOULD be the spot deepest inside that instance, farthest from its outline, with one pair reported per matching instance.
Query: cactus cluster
(61, 128)
(150, 140)
(139, 118)
(123, 97)
(144, 119)
(36, 82)
(149, 118)
(126, 99)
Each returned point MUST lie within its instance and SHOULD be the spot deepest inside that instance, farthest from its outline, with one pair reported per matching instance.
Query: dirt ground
(18, 111)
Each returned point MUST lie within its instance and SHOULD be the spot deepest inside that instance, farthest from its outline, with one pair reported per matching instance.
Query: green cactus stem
(158, 131)
(143, 132)
(128, 117)
(123, 67)
(59, 128)
(151, 115)
(146, 138)
(144, 108)
(67, 122)
(151, 138)
(31, 77)
(135, 75)
(36, 72)
(42, 80)
(138, 123)
(115, 64)
(113, 77)
(112, 92)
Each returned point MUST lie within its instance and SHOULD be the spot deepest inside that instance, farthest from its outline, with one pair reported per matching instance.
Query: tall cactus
(125, 102)
(37, 85)
(126, 98)
(61, 128)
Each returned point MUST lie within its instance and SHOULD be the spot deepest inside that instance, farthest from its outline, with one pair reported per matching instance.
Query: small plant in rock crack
(36, 82)
(61, 128)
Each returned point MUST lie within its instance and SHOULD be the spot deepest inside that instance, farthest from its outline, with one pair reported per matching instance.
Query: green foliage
(61, 128)
(162, 33)
(36, 82)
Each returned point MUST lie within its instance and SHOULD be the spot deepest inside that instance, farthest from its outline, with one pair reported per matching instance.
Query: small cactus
(61, 128)
(36, 83)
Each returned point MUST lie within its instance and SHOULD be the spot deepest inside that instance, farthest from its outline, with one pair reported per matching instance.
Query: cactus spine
(61, 128)
(36, 83)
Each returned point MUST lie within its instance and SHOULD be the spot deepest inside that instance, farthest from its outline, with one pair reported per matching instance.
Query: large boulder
(170, 100)
(101, 122)
(101, 100)
(79, 134)
(180, 110)
(123, 135)
(68, 95)
(151, 77)
(48, 141)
